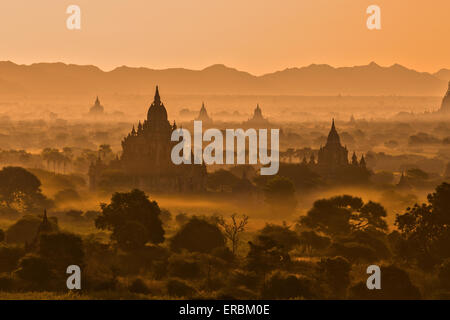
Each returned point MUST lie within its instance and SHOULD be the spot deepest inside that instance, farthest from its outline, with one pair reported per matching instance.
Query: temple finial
(157, 97)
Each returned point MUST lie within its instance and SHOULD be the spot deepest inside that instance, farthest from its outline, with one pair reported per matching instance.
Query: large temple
(332, 159)
(333, 155)
(445, 106)
(146, 158)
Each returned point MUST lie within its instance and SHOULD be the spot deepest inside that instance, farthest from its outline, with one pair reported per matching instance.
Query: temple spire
(45, 218)
(333, 136)
(354, 159)
(157, 97)
(362, 163)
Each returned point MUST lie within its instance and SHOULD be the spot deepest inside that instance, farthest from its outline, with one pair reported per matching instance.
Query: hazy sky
(256, 36)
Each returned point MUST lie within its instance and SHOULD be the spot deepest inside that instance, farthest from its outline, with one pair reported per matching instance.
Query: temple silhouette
(203, 115)
(445, 106)
(257, 120)
(145, 161)
(97, 109)
(332, 160)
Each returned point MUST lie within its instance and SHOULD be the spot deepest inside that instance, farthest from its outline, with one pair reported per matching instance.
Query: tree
(60, 250)
(67, 195)
(301, 175)
(53, 156)
(335, 273)
(270, 249)
(444, 274)
(21, 188)
(68, 157)
(105, 152)
(426, 228)
(280, 193)
(233, 229)
(9, 256)
(26, 228)
(34, 270)
(367, 246)
(132, 235)
(395, 284)
(343, 214)
(198, 235)
(311, 241)
(288, 286)
(222, 180)
(277, 236)
(131, 212)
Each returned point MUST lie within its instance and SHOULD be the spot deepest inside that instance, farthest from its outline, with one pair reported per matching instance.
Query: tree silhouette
(36, 271)
(233, 229)
(105, 152)
(130, 212)
(222, 180)
(67, 157)
(21, 188)
(426, 228)
(198, 235)
(343, 214)
(335, 273)
(280, 193)
(395, 284)
(277, 236)
(61, 249)
(312, 241)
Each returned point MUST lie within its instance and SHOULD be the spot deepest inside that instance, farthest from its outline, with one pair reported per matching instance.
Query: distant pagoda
(332, 161)
(258, 119)
(445, 106)
(97, 109)
(203, 115)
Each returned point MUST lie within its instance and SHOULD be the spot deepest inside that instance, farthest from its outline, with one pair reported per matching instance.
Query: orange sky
(258, 36)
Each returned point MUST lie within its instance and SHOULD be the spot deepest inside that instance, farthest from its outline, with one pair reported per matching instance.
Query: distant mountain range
(367, 80)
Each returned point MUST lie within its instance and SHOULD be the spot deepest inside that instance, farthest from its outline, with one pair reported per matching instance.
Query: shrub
(61, 249)
(6, 283)
(184, 267)
(285, 286)
(25, 229)
(198, 235)
(395, 284)
(335, 273)
(444, 274)
(9, 257)
(34, 270)
(242, 278)
(138, 286)
(91, 214)
(178, 288)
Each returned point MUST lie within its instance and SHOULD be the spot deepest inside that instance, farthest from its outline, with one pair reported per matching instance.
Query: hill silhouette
(43, 79)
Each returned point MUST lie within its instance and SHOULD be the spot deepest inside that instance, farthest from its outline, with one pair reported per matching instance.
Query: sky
(255, 36)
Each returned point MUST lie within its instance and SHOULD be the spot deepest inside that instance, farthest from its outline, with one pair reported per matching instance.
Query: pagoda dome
(157, 112)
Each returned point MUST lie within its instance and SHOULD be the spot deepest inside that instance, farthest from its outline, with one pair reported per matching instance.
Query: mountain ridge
(47, 78)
